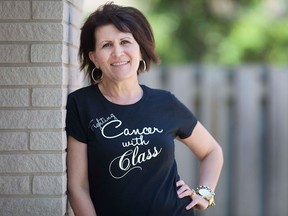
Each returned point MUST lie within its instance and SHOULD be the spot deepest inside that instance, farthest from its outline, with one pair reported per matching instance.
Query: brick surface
(66, 33)
(31, 119)
(14, 53)
(30, 163)
(32, 32)
(49, 97)
(74, 36)
(50, 53)
(32, 35)
(14, 185)
(49, 185)
(48, 140)
(33, 75)
(33, 206)
(76, 78)
(15, 10)
(14, 97)
(66, 12)
(47, 10)
(73, 56)
(76, 17)
(77, 3)
(13, 141)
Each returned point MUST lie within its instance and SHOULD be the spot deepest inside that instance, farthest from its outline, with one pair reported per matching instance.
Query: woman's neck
(122, 93)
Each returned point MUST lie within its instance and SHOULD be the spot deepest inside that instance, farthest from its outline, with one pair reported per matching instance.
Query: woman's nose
(117, 51)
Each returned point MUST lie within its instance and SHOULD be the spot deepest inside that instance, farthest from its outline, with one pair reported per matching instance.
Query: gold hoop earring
(144, 65)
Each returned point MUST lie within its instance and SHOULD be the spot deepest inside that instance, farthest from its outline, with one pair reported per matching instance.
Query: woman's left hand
(198, 202)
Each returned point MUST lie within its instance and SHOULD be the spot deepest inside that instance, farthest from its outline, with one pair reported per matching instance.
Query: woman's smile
(121, 63)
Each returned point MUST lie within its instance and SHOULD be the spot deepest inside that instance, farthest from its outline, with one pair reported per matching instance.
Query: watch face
(204, 192)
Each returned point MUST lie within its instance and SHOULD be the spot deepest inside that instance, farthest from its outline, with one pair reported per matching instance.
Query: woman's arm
(210, 155)
(77, 172)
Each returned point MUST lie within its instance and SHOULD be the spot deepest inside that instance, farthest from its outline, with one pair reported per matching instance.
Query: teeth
(119, 63)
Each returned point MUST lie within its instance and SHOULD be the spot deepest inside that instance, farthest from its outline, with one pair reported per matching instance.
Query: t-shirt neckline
(104, 99)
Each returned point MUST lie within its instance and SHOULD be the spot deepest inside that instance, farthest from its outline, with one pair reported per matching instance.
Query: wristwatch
(207, 193)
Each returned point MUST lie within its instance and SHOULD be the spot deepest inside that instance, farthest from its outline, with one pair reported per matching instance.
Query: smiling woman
(120, 150)
(131, 26)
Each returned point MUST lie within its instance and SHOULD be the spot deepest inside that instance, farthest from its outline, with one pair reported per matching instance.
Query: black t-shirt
(131, 163)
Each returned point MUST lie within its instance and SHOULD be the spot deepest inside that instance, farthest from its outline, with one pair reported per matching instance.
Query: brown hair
(125, 19)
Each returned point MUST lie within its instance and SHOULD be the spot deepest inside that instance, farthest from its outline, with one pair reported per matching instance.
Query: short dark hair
(125, 19)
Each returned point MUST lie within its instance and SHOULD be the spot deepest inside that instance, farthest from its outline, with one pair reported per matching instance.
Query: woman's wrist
(207, 193)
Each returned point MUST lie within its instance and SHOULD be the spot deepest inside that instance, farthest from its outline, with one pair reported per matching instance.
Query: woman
(121, 134)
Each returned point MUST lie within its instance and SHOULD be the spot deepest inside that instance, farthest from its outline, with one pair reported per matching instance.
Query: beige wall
(38, 67)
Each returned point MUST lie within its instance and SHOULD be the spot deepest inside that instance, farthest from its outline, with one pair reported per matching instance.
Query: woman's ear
(92, 57)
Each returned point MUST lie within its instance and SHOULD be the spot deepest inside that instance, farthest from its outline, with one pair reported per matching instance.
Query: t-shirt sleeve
(74, 126)
(185, 119)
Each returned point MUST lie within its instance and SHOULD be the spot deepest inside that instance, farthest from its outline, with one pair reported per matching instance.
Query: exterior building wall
(38, 67)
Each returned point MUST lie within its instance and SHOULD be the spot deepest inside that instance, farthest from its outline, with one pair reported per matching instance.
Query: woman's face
(117, 53)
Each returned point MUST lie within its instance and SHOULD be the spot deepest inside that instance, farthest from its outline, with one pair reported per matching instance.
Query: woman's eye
(107, 45)
(125, 42)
